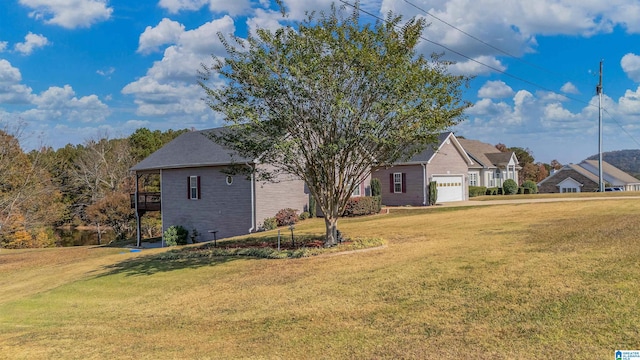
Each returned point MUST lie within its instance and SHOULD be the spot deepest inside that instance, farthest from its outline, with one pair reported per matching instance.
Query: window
(491, 181)
(568, 190)
(193, 187)
(356, 191)
(473, 179)
(398, 183)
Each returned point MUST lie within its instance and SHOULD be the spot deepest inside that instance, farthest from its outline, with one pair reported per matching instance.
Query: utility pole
(599, 91)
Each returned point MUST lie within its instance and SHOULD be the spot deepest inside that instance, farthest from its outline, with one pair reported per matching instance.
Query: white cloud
(61, 103)
(495, 90)
(479, 65)
(3, 45)
(166, 32)
(169, 86)
(69, 14)
(235, 7)
(631, 65)
(11, 91)
(569, 88)
(630, 103)
(106, 72)
(31, 42)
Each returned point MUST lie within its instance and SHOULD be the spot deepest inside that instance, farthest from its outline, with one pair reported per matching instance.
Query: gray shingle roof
(613, 171)
(479, 150)
(191, 149)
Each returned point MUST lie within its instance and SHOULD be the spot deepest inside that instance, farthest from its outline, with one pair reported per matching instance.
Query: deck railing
(147, 201)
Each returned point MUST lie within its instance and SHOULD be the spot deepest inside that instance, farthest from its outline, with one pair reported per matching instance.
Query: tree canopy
(328, 98)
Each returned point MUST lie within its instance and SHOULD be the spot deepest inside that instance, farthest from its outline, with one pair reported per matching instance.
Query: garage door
(450, 187)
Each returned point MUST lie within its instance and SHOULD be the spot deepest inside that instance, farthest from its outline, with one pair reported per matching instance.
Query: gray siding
(287, 192)
(449, 161)
(222, 207)
(414, 185)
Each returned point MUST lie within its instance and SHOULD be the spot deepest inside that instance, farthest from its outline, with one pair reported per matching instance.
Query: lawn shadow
(157, 263)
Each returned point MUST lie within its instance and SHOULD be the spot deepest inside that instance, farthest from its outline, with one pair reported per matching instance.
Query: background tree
(113, 211)
(328, 98)
(29, 202)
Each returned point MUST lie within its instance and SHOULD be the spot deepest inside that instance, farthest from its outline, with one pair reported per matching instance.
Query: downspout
(424, 184)
(253, 199)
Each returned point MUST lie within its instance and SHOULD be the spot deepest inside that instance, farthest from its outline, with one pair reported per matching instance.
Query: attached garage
(450, 187)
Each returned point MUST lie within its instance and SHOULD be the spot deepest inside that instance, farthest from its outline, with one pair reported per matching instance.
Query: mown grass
(529, 281)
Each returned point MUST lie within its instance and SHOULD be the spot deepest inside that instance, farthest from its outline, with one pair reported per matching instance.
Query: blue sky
(71, 70)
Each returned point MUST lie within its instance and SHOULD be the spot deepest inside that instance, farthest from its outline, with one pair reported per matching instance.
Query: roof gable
(487, 155)
(428, 154)
(191, 149)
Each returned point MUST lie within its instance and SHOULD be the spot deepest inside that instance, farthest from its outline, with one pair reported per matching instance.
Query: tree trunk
(332, 230)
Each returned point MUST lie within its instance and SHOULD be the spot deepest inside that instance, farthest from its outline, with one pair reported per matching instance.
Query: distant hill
(625, 160)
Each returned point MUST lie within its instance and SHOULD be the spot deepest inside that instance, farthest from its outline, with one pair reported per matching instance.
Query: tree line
(85, 184)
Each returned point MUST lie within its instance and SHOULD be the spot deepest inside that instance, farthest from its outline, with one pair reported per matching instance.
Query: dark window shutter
(404, 182)
(188, 187)
(391, 189)
(199, 194)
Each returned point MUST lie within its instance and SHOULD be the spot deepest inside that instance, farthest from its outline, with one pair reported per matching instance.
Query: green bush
(363, 205)
(304, 216)
(286, 217)
(433, 193)
(269, 224)
(376, 188)
(520, 190)
(477, 190)
(531, 185)
(492, 191)
(509, 187)
(176, 235)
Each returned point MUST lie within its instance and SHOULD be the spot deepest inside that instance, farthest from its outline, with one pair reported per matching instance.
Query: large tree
(328, 98)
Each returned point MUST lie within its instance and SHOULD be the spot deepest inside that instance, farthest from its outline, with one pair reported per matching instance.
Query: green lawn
(520, 281)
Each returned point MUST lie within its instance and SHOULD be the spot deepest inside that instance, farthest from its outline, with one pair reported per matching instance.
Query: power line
(482, 41)
(515, 77)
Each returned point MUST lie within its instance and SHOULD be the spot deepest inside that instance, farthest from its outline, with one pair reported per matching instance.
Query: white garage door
(450, 187)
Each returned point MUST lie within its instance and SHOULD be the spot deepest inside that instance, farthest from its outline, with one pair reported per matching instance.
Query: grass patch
(532, 281)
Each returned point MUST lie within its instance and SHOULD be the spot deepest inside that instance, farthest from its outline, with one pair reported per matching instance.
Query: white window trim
(397, 183)
(193, 187)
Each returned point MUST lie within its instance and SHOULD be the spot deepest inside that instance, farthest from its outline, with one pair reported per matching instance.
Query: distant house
(197, 193)
(407, 183)
(490, 167)
(584, 177)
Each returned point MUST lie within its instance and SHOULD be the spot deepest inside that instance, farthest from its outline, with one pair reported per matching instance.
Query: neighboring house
(407, 183)
(491, 167)
(196, 193)
(584, 177)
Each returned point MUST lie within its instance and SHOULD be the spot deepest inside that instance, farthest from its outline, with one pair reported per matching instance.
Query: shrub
(531, 185)
(176, 235)
(304, 216)
(477, 190)
(287, 216)
(269, 223)
(433, 192)
(492, 191)
(376, 188)
(365, 205)
(509, 187)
